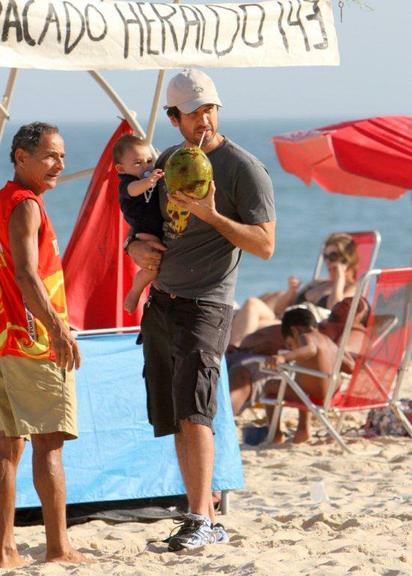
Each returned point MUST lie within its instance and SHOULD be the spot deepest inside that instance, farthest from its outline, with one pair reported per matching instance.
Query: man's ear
(20, 156)
(119, 168)
(295, 332)
(174, 121)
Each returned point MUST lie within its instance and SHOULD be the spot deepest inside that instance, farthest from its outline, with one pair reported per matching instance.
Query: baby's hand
(154, 176)
(293, 283)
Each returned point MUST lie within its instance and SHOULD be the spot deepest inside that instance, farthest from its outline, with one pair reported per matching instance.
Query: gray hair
(28, 137)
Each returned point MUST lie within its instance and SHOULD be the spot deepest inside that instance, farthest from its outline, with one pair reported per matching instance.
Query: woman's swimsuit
(323, 301)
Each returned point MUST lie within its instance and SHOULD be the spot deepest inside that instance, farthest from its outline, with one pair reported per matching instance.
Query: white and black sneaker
(221, 535)
(196, 531)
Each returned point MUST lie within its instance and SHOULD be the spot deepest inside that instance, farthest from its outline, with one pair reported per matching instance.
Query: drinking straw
(202, 138)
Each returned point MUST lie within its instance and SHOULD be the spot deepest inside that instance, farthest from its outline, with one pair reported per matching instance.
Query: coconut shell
(190, 171)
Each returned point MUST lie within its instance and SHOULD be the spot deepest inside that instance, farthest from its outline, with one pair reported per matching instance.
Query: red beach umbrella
(371, 157)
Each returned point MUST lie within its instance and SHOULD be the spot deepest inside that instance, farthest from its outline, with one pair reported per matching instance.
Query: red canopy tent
(371, 157)
(97, 272)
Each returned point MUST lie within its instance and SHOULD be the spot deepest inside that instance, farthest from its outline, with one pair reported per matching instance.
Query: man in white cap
(186, 322)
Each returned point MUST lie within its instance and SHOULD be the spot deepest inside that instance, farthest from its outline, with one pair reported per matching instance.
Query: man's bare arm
(258, 239)
(305, 352)
(265, 340)
(23, 230)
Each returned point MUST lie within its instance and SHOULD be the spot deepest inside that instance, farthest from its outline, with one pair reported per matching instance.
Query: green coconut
(190, 171)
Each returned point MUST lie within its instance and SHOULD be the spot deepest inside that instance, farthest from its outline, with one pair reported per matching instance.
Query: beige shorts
(36, 397)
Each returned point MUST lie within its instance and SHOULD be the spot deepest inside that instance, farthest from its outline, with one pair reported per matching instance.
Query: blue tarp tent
(116, 456)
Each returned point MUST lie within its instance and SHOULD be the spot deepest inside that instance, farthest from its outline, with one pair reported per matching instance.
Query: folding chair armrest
(304, 370)
(288, 367)
(261, 359)
(289, 370)
(292, 369)
(255, 358)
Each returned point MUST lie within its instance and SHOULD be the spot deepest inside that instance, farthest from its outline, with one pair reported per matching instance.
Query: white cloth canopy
(79, 35)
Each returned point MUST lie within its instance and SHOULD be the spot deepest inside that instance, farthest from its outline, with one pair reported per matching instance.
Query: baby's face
(136, 161)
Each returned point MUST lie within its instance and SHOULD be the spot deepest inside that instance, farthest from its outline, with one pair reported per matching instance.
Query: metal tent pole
(156, 100)
(115, 98)
(155, 107)
(75, 175)
(4, 104)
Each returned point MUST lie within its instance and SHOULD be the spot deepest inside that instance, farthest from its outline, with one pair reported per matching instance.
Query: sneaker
(220, 534)
(195, 532)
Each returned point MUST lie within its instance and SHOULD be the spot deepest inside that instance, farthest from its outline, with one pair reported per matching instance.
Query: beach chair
(379, 369)
(367, 244)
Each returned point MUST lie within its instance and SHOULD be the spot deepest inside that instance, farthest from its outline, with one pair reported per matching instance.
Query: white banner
(84, 35)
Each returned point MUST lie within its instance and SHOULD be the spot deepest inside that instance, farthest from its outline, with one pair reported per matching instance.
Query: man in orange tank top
(37, 351)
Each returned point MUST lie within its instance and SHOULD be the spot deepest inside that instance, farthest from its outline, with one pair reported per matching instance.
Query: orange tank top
(21, 334)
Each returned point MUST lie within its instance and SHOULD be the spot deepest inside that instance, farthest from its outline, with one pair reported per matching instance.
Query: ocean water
(305, 216)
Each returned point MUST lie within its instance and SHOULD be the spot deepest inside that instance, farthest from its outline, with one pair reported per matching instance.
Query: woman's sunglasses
(333, 257)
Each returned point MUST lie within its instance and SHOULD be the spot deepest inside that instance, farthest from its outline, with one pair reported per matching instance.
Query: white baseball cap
(191, 89)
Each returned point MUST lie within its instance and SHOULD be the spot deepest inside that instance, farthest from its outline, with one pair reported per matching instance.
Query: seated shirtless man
(311, 349)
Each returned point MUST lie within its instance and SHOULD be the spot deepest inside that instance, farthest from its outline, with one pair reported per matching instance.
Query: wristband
(128, 241)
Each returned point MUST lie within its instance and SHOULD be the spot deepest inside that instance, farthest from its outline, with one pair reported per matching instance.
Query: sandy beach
(275, 525)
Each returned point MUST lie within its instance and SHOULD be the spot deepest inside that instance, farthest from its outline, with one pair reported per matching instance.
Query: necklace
(147, 193)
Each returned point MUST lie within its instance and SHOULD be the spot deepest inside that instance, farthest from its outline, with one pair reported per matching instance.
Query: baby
(138, 201)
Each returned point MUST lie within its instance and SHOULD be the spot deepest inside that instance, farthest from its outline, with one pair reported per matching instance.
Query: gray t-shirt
(199, 261)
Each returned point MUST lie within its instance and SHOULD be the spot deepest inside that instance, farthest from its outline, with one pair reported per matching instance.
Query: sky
(374, 78)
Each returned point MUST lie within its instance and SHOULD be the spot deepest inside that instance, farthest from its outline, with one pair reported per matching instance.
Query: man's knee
(251, 303)
(47, 443)
(11, 448)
